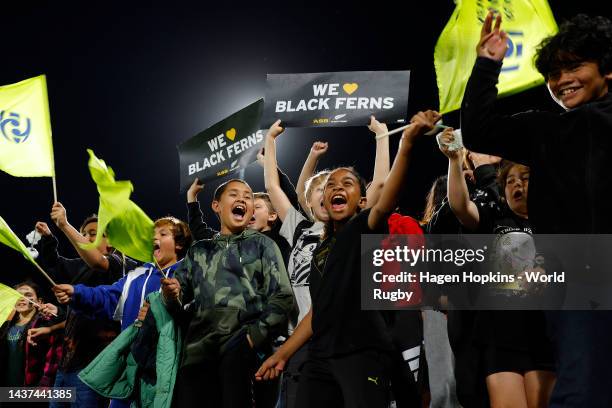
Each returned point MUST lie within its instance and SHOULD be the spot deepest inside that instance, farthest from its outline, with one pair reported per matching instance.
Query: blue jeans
(85, 396)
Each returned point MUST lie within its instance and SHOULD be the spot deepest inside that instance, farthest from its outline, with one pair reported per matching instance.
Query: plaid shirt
(38, 370)
(52, 359)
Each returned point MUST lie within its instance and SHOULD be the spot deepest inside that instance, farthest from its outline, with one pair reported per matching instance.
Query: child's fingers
(262, 370)
(485, 39)
(503, 36)
(498, 21)
(446, 139)
(486, 26)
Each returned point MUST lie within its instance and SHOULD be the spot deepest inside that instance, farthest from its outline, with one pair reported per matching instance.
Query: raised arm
(483, 129)
(458, 195)
(92, 257)
(195, 217)
(97, 302)
(421, 123)
(284, 180)
(382, 163)
(317, 150)
(279, 199)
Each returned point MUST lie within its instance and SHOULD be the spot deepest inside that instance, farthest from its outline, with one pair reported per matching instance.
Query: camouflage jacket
(231, 286)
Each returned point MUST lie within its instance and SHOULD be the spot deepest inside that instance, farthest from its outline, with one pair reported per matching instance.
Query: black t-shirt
(511, 329)
(339, 325)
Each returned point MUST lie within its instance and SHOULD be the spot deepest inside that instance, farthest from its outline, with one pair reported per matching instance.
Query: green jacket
(114, 372)
(232, 285)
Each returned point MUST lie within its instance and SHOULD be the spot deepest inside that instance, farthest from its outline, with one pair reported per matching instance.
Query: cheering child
(235, 293)
(348, 358)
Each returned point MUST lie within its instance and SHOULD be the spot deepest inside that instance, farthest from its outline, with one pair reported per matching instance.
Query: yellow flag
(8, 298)
(26, 149)
(527, 22)
(127, 227)
(8, 238)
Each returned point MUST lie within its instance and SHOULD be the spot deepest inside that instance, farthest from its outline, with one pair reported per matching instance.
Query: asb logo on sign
(12, 128)
(514, 54)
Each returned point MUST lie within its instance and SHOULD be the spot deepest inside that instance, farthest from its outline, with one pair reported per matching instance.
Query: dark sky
(131, 82)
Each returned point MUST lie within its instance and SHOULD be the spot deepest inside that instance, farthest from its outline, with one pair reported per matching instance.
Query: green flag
(527, 22)
(8, 298)
(127, 227)
(8, 238)
(25, 129)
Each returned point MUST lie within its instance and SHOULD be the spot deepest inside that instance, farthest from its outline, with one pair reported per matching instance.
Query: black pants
(227, 382)
(584, 357)
(291, 378)
(358, 380)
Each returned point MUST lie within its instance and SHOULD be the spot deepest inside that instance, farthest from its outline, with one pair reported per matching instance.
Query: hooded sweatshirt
(232, 285)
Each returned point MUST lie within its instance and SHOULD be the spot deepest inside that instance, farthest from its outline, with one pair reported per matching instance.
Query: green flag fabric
(8, 298)
(26, 149)
(527, 23)
(8, 238)
(126, 225)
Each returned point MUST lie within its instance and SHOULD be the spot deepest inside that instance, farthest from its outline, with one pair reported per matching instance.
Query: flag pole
(44, 273)
(392, 132)
(36, 304)
(54, 188)
(437, 128)
(165, 274)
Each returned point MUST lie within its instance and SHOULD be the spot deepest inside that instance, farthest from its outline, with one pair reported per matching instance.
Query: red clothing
(39, 367)
(412, 236)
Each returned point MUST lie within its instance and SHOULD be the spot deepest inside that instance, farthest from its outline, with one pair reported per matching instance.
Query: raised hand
(493, 42)
(48, 310)
(261, 156)
(63, 293)
(275, 130)
(318, 149)
(447, 138)
(42, 228)
(377, 127)
(422, 123)
(171, 288)
(194, 190)
(58, 215)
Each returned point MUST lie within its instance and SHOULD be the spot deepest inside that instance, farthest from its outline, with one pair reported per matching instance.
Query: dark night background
(131, 82)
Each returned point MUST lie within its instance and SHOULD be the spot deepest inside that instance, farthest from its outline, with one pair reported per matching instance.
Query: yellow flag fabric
(8, 298)
(127, 227)
(26, 149)
(527, 23)
(8, 238)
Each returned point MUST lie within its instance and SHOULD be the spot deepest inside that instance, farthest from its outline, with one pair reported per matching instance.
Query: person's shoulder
(138, 271)
(258, 237)
(294, 216)
(203, 244)
(359, 221)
